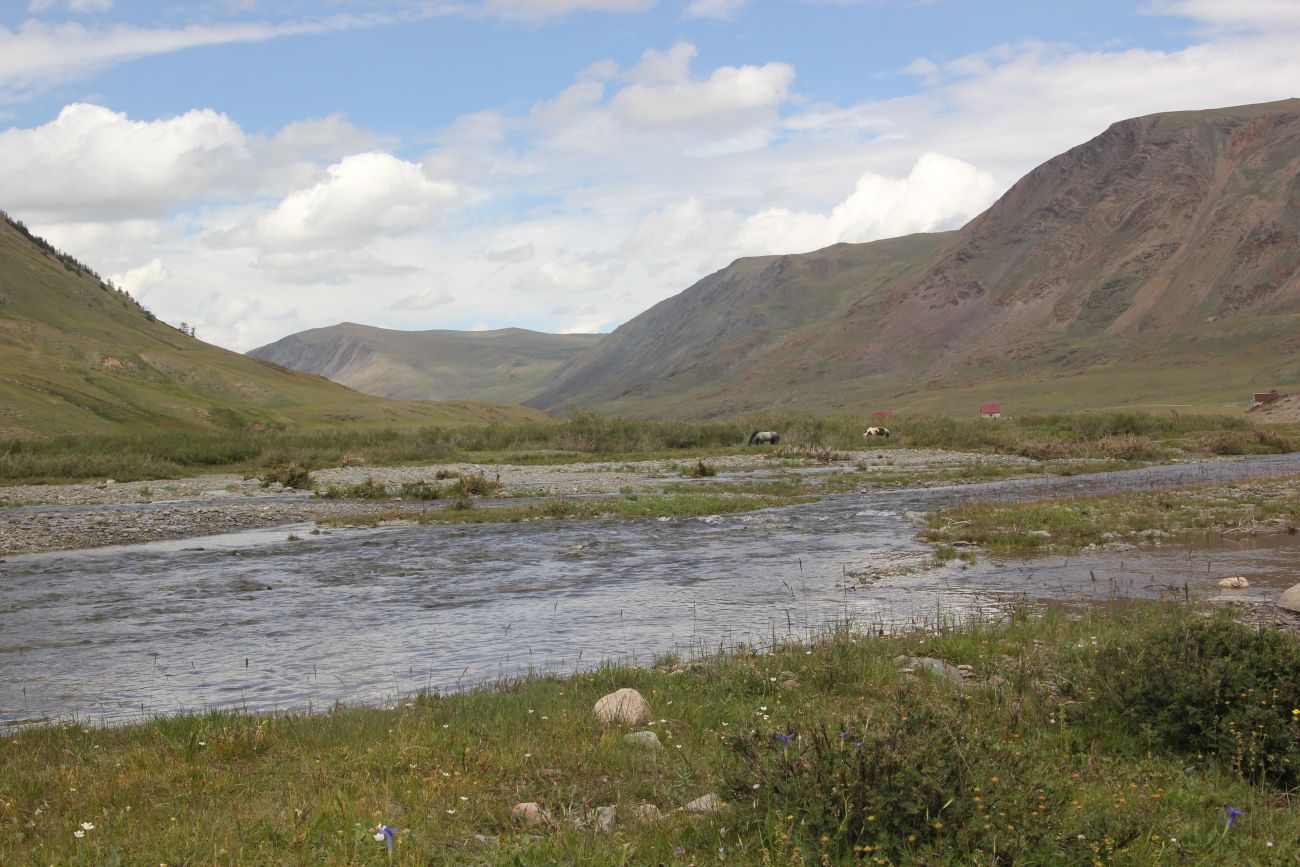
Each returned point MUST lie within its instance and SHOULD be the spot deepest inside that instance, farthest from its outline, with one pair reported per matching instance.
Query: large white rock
(530, 814)
(624, 706)
(1290, 600)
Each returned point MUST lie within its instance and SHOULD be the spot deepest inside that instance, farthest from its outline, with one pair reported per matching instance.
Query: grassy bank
(1070, 524)
(1062, 746)
(627, 506)
(583, 437)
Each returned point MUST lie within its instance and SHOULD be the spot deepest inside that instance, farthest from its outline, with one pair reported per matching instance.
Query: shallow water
(253, 620)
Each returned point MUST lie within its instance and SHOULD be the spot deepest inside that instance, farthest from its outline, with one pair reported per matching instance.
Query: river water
(256, 621)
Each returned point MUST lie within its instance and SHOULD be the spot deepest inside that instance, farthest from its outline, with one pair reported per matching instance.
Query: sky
(254, 168)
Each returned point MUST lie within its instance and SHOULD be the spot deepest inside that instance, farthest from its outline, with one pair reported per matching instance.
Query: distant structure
(991, 410)
(883, 413)
(1262, 397)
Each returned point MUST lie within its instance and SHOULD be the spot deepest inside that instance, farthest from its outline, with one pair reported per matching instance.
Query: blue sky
(256, 167)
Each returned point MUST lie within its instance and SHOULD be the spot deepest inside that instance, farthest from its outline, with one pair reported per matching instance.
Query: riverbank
(38, 518)
(1034, 739)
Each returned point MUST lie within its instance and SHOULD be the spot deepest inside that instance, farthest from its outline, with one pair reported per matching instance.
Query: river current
(254, 620)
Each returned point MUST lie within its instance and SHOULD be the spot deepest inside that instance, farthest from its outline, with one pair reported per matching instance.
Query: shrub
(421, 491)
(290, 475)
(920, 781)
(1203, 686)
(476, 485)
(699, 470)
(367, 490)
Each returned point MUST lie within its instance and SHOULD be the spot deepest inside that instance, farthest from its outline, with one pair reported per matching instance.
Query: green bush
(290, 475)
(421, 491)
(923, 783)
(367, 490)
(1202, 687)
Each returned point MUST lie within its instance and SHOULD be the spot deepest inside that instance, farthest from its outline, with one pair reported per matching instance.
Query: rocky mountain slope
(1158, 264)
(78, 356)
(505, 365)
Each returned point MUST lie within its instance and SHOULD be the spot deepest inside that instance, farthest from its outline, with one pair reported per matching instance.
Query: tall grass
(588, 436)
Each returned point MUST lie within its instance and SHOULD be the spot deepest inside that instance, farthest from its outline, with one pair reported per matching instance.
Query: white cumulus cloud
(361, 196)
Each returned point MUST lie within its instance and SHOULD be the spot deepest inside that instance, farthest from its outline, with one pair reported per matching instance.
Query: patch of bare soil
(1286, 409)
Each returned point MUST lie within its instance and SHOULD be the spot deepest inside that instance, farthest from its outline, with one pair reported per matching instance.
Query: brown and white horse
(876, 432)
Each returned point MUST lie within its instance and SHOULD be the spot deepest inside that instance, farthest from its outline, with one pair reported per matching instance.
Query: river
(254, 620)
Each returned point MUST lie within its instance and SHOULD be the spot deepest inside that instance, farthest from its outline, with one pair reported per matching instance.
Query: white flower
(78, 833)
(379, 837)
(87, 826)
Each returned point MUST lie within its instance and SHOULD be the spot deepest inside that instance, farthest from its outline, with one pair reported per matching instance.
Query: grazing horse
(759, 437)
(876, 432)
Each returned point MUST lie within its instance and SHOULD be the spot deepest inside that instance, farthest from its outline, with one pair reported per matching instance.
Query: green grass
(1031, 764)
(1070, 524)
(585, 437)
(627, 506)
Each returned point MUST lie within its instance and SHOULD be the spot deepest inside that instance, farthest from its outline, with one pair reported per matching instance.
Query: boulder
(1290, 600)
(647, 739)
(624, 706)
(936, 667)
(530, 814)
(704, 804)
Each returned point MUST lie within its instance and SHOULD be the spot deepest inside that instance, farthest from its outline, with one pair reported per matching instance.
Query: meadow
(1137, 735)
(162, 453)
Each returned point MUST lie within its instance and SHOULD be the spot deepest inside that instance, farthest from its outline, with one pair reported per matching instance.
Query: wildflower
(87, 826)
(1233, 813)
(386, 835)
(785, 739)
(78, 833)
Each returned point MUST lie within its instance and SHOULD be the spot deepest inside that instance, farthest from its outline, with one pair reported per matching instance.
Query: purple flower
(785, 739)
(386, 834)
(1233, 813)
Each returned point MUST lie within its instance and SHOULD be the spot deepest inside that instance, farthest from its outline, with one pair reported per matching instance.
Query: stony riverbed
(36, 518)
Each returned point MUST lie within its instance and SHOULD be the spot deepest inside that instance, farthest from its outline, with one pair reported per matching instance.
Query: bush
(699, 470)
(1203, 687)
(421, 491)
(291, 476)
(367, 490)
(923, 781)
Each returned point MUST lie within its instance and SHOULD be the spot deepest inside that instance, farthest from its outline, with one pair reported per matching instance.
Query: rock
(603, 818)
(647, 813)
(704, 804)
(530, 814)
(1040, 534)
(1234, 582)
(646, 739)
(624, 706)
(487, 841)
(937, 667)
(1290, 600)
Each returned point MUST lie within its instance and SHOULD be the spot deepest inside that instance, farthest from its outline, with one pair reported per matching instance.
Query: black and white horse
(760, 437)
(876, 432)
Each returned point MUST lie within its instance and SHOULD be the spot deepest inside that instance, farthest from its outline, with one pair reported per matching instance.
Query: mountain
(78, 356)
(506, 365)
(1157, 264)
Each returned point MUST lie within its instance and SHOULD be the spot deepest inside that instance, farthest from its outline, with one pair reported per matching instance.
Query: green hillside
(76, 355)
(506, 365)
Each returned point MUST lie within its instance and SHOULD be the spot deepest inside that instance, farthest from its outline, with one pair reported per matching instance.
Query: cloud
(84, 6)
(1239, 15)
(139, 281)
(360, 197)
(91, 163)
(724, 10)
(534, 10)
(426, 300)
(513, 255)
